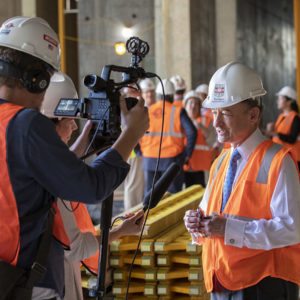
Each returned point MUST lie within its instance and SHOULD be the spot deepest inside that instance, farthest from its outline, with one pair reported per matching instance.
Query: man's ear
(254, 114)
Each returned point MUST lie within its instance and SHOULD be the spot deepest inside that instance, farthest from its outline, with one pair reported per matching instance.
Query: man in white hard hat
(148, 91)
(180, 87)
(249, 218)
(36, 165)
(177, 127)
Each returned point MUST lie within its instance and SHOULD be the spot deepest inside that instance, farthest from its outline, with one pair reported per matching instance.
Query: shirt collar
(249, 145)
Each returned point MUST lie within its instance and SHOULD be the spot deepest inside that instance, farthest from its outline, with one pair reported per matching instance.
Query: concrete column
(10, 9)
(226, 20)
(173, 39)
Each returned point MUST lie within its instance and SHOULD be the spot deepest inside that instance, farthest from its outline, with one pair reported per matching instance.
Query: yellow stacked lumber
(138, 273)
(181, 287)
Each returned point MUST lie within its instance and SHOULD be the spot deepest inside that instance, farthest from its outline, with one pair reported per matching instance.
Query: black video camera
(102, 104)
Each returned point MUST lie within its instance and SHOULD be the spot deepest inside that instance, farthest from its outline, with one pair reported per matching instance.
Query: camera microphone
(161, 186)
(150, 75)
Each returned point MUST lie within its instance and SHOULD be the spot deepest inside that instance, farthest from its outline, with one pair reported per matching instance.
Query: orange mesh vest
(238, 268)
(84, 223)
(201, 158)
(283, 125)
(173, 136)
(9, 217)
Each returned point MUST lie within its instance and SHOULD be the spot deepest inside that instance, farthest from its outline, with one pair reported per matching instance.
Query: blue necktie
(230, 176)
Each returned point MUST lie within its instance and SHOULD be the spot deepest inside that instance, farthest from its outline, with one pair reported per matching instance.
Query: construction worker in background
(248, 221)
(72, 220)
(202, 156)
(202, 91)
(148, 91)
(180, 88)
(286, 130)
(177, 127)
(134, 182)
(38, 167)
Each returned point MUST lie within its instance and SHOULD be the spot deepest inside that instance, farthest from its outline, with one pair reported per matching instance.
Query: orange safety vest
(238, 268)
(283, 125)
(84, 223)
(173, 135)
(178, 103)
(9, 218)
(201, 158)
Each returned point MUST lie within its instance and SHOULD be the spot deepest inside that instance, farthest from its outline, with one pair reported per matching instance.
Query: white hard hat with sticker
(33, 36)
(231, 84)
(178, 82)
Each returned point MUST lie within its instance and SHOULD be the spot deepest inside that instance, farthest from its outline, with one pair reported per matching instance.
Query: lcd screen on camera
(67, 105)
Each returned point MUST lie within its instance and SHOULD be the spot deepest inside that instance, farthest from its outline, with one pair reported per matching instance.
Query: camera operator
(36, 164)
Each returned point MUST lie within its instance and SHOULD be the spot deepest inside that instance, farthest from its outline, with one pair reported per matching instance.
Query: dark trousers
(269, 288)
(191, 178)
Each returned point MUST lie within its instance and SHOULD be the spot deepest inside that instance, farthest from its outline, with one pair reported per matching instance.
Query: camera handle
(98, 291)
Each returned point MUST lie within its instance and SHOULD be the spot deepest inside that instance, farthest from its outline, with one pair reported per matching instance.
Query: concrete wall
(173, 39)
(203, 41)
(100, 26)
(266, 42)
(10, 9)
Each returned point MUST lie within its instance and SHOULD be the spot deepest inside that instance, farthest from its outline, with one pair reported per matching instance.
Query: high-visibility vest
(173, 135)
(201, 158)
(178, 103)
(283, 125)
(9, 217)
(84, 223)
(238, 268)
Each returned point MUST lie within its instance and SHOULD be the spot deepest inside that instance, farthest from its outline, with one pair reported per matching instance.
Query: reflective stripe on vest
(9, 217)
(171, 132)
(202, 147)
(237, 268)
(173, 135)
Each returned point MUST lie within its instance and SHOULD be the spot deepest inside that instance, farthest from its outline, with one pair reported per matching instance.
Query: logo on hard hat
(50, 40)
(219, 90)
(9, 25)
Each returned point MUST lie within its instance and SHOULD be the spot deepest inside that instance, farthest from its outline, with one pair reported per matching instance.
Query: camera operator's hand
(135, 122)
(82, 141)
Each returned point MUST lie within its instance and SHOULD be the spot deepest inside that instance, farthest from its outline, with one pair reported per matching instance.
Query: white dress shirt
(284, 228)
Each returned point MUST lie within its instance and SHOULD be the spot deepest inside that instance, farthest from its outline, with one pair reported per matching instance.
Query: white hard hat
(147, 84)
(61, 86)
(288, 92)
(33, 36)
(168, 88)
(202, 88)
(231, 84)
(190, 94)
(178, 82)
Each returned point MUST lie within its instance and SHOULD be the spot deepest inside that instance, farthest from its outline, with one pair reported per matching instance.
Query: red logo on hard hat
(50, 40)
(9, 25)
(219, 90)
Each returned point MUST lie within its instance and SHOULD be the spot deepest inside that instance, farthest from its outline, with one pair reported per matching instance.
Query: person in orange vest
(201, 158)
(286, 130)
(37, 166)
(180, 87)
(80, 233)
(177, 127)
(248, 221)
